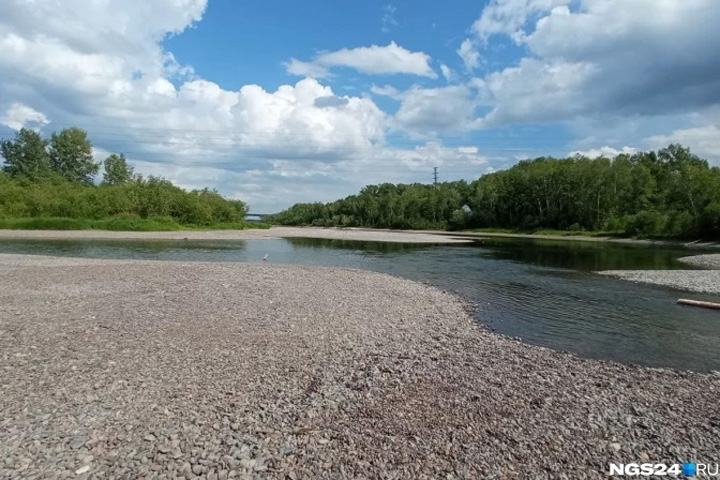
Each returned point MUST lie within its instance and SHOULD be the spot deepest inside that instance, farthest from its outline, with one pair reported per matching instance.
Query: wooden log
(698, 303)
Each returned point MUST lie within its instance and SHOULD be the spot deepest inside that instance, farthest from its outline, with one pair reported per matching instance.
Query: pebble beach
(168, 370)
(697, 281)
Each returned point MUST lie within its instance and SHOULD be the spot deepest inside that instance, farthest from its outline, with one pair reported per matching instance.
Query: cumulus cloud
(19, 116)
(331, 101)
(704, 141)
(102, 67)
(607, 152)
(470, 56)
(510, 17)
(431, 111)
(611, 65)
(376, 59)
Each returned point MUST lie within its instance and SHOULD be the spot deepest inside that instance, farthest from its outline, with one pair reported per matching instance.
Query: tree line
(55, 177)
(667, 193)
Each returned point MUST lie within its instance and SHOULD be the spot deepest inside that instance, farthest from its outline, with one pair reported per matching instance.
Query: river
(544, 292)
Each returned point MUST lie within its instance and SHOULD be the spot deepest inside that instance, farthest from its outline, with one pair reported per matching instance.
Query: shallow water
(542, 291)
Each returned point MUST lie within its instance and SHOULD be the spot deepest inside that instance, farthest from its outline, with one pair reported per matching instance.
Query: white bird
(265, 258)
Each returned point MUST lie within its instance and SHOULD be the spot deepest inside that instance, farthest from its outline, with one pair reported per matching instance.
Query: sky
(280, 101)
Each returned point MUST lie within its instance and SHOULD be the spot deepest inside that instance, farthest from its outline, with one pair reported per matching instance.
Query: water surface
(542, 291)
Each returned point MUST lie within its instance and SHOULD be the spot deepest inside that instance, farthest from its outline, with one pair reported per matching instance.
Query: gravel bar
(698, 281)
(711, 261)
(393, 236)
(170, 370)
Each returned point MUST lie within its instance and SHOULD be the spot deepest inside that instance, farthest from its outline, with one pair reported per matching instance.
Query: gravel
(275, 232)
(699, 281)
(711, 261)
(128, 369)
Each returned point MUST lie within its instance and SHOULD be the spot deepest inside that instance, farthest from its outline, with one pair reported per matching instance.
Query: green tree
(26, 155)
(117, 170)
(71, 155)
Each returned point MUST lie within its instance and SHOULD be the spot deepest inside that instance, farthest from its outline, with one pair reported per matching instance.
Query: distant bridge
(257, 217)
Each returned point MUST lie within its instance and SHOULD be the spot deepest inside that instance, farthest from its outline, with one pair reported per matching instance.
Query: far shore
(367, 235)
(334, 233)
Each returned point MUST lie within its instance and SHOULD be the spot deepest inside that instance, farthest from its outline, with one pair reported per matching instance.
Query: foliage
(141, 198)
(669, 193)
(71, 155)
(120, 223)
(26, 155)
(117, 170)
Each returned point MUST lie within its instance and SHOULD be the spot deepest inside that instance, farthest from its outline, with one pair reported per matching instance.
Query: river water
(544, 292)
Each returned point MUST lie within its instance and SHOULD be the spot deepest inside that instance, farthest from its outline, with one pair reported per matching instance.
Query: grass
(119, 223)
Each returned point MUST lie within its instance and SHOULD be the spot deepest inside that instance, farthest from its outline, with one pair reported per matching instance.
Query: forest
(670, 193)
(50, 183)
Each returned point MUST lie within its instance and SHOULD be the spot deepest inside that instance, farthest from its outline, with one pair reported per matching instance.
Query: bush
(681, 225)
(163, 205)
(647, 223)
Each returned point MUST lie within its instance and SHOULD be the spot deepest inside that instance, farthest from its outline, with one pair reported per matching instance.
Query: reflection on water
(544, 292)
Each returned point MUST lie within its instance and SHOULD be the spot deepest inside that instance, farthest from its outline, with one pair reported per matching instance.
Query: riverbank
(274, 232)
(117, 368)
(698, 281)
(585, 238)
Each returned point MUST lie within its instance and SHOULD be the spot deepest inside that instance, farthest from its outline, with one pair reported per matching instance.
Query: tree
(71, 155)
(117, 170)
(26, 155)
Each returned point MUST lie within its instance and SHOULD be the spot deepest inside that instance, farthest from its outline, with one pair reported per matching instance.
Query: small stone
(616, 446)
(78, 442)
(82, 470)
(150, 437)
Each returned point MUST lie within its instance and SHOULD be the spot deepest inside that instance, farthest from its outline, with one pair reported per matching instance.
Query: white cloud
(385, 91)
(470, 56)
(388, 18)
(607, 152)
(447, 72)
(611, 65)
(431, 111)
(102, 67)
(704, 141)
(389, 59)
(510, 17)
(306, 69)
(19, 116)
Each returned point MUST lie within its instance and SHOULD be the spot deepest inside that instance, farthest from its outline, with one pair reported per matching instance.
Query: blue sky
(281, 101)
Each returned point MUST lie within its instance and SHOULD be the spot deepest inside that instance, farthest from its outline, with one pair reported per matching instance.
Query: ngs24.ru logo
(665, 470)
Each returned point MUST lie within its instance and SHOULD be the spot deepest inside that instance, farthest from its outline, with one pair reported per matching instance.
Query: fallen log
(698, 303)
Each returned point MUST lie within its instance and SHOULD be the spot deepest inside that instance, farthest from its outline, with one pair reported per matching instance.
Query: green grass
(119, 223)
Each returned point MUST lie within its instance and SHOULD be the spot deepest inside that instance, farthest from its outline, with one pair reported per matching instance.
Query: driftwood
(698, 303)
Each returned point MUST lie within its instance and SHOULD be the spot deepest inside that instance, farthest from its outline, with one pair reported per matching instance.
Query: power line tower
(435, 176)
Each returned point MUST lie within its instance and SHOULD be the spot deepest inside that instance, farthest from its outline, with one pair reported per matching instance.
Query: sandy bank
(275, 232)
(120, 369)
